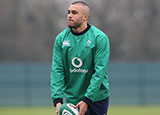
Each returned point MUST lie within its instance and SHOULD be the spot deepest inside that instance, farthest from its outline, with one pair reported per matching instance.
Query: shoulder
(61, 36)
(63, 33)
(99, 34)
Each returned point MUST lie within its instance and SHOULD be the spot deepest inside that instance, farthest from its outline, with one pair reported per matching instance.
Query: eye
(74, 12)
(69, 12)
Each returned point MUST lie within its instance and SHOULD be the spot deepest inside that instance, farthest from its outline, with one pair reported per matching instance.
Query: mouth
(70, 21)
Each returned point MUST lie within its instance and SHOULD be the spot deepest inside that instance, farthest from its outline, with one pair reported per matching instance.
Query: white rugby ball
(68, 109)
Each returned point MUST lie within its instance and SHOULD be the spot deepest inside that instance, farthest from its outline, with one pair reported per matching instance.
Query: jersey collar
(83, 32)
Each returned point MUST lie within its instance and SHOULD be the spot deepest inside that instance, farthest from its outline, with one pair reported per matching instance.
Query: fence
(28, 84)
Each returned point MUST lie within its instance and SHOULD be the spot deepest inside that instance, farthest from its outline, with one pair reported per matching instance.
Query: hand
(57, 107)
(83, 107)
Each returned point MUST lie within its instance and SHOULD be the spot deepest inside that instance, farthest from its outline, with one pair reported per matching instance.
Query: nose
(69, 15)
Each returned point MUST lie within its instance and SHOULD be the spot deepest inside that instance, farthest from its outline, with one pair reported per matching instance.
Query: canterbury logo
(77, 65)
(66, 43)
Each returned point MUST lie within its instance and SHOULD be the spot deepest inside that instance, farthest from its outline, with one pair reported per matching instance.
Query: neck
(80, 29)
(81, 33)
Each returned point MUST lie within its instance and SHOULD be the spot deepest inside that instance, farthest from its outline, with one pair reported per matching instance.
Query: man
(80, 58)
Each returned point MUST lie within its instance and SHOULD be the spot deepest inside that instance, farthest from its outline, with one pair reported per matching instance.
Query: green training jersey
(79, 65)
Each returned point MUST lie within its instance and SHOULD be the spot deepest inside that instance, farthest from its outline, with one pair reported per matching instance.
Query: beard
(75, 25)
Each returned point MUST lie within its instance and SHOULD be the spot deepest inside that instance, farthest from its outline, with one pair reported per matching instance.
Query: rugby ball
(68, 109)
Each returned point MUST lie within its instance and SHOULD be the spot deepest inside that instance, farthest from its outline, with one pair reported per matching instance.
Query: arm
(57, 74)
(101, 58)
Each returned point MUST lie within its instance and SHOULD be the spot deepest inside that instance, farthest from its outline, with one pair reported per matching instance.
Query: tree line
(28, 28)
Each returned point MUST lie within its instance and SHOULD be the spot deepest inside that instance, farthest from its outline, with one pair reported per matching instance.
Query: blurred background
(27, 32)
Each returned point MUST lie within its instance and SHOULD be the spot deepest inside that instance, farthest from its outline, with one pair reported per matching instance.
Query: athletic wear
(98, 108)
(79, 66)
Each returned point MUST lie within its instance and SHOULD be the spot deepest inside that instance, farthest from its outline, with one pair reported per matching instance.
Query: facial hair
(75, 25)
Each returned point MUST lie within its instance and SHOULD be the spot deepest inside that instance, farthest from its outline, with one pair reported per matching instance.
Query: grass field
(113, 110)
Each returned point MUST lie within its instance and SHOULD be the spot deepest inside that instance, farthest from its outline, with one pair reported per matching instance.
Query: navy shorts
(98, 108)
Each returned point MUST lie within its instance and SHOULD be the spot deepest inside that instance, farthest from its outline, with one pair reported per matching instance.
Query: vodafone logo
(77, 65)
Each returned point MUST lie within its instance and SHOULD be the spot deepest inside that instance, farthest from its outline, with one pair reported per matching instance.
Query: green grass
(27, 111)
(134, 110)
(113, 110)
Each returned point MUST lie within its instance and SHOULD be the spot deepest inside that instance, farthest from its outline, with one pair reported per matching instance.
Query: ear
(85, 17)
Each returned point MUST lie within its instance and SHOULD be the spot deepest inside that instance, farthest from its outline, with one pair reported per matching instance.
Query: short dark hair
(80, 2)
